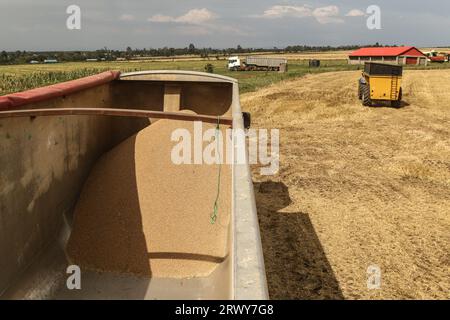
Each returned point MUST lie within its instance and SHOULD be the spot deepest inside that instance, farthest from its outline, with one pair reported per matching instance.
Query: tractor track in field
(357, 187)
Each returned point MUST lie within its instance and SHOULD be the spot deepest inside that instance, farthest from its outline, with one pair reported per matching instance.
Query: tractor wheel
(366, 101)
(397, 103)
(359, 91)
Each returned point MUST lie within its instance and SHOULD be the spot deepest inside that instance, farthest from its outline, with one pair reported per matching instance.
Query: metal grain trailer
(380, 83)
(254, 63)
(74, 158)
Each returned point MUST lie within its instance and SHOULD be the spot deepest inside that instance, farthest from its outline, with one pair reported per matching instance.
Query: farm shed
(398, 55)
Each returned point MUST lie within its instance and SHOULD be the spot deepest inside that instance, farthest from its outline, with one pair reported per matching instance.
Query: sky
(42, 24)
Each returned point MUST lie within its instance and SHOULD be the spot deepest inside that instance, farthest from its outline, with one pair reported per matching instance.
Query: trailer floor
(357, 187)
(47, 279)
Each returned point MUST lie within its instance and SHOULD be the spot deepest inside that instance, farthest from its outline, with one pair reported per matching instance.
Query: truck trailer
(179, 237)
(439, 57)
(257, 64)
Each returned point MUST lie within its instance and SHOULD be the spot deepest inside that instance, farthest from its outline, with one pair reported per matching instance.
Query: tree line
(105, 54)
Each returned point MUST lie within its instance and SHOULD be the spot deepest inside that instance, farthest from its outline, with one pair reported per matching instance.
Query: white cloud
(287, 11)
(194, 16)
(126, 17)
(355, 13)
(197, 16)
(328, 14)
(197, 22)
(323, 15)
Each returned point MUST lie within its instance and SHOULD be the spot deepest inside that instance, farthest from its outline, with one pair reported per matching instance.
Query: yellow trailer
(379, 83)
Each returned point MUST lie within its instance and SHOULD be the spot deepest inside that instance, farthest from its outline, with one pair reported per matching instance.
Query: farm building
(398, 55)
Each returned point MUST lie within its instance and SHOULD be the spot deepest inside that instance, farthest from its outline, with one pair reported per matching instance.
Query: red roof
(387, 52)
(15, 100)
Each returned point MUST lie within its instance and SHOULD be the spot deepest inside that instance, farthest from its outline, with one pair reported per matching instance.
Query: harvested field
(357, 187)
(323, 55)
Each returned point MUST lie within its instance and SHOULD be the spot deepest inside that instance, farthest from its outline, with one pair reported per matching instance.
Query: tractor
(381, 83)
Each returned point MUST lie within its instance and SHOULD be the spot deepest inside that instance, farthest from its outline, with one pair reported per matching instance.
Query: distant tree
(3, 57)
(191, 49)
(17, 57)
(129, 53)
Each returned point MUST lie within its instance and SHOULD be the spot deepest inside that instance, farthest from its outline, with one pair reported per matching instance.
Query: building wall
(402, 60)
(414, 53)
(362, 60)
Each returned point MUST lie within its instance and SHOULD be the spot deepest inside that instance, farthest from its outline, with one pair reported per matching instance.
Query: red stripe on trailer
(19, 99)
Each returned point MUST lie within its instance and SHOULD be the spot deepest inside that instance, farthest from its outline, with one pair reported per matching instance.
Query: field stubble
(357, 187)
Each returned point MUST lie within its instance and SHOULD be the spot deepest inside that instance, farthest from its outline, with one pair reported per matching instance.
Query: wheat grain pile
(357, 187)
(141, 214)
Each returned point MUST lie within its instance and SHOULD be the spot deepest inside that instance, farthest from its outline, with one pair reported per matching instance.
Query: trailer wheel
(366, 101)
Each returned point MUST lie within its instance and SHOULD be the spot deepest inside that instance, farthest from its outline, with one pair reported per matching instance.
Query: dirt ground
(357, 187)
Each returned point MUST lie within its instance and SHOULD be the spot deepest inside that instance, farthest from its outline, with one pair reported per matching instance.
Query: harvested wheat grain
(141, 214)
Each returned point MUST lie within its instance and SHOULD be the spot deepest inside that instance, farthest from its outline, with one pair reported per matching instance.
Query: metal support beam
(115, 112)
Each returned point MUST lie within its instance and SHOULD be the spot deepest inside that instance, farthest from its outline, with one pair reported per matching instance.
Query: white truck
(257, 64)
